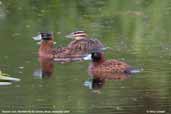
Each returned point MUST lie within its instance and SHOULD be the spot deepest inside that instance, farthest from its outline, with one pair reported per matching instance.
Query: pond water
(138, 31)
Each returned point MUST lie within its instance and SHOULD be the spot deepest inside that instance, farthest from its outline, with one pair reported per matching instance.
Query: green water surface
(138, 31)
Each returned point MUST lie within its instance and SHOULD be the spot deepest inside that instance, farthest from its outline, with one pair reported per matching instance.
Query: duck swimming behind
(47, 50)
(82, 44)
(101, 66)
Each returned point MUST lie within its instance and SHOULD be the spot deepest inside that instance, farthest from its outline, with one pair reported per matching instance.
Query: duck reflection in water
(97, 81)
(46, 68)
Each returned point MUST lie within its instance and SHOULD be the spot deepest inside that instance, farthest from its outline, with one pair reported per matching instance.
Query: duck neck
(96, 63)
(45, 46)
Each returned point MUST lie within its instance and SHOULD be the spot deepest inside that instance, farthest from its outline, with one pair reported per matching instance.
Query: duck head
(44, 36)
(77, 35)
(46, 43)
(96, 56)
(46, 39)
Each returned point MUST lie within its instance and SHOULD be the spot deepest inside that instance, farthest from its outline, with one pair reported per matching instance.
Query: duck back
(85, 45)
(108, 66)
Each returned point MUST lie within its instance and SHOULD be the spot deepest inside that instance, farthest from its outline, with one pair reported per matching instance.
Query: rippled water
(138, 31)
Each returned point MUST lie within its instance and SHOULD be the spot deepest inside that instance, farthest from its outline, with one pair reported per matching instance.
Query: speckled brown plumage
(65, 53)
(100, 66)
(62, 55)
(85, 45)
(108, 66)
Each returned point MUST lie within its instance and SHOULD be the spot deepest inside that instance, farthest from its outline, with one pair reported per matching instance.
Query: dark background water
(137, 30)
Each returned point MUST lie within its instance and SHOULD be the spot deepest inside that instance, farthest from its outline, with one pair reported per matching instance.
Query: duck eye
(95, 55)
